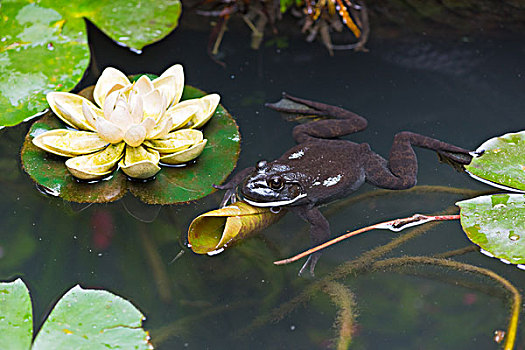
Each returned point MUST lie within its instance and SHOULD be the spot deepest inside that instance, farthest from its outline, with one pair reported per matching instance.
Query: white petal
(69, 143)
(181, 114)
(96, 165)
(91, 114)
(143, 85)
(176, 70)
(109, 103)
(161, 131)
(152, 104)
(140, 163)
(172, 88)
(209, 103)
(109, 131)
(136, 105)
(121, 116)
(68, 107)
(108, 79)
(184, 156)
(176, 141)
(148, 124)
(135, 135)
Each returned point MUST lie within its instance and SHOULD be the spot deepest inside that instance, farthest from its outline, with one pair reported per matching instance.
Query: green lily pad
(16, 320)
(82, 319)
(171, 185)
(43, 44)
(92, 319)
(501, 162)
(496, 223)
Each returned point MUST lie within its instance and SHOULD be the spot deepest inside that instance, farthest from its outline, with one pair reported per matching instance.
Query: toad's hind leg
(400, 172)
(344, 122)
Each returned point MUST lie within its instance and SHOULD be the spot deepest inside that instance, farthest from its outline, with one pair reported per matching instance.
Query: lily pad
(82, 319)
(501, 162)
(43, 45)
(171, 185)
(496, 223)
(16, 320)
(92, 319)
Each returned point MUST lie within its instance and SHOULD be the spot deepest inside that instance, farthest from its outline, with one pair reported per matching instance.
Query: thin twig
(394, 225)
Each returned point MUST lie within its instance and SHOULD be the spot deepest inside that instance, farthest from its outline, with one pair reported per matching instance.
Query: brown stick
(394, 225)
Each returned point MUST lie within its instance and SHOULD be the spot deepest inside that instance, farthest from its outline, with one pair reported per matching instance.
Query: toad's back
(327, 169)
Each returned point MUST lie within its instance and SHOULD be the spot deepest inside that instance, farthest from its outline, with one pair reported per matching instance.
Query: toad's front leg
(319, 233)
(231, 186)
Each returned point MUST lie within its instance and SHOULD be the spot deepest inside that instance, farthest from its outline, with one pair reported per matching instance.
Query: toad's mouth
(273, 204)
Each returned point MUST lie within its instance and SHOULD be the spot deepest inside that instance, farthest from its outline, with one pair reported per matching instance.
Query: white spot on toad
(332, 180)
(296, 155)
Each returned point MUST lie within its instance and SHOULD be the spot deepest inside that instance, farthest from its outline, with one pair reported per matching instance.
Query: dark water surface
(463, 91)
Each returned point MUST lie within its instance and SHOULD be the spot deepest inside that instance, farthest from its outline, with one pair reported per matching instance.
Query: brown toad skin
(322, 168)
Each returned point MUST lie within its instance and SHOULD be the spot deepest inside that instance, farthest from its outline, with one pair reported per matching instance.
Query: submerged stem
(344, 299)
(512, 327)
(343, 270)
(415, 190)
(160, 275)
(456, 252)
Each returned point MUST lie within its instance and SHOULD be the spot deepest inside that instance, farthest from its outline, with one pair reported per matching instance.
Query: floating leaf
(497, 224)
(211, 232)
(92, 319)
(501, 162)
(171, 185)
(16, 320)
(43, 45)
(82, 319)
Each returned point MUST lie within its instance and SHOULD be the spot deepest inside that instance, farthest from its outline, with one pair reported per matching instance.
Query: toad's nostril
(261, 164)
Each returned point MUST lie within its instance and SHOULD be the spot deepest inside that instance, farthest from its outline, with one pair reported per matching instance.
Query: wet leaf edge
(467, 204)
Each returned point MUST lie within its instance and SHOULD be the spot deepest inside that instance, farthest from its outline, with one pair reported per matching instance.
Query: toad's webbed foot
(319, 233)
(455, 160)
(343, 122)
(295, 105)
(309, 265)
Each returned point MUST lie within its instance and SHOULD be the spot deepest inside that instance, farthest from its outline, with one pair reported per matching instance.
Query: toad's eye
(276, 183)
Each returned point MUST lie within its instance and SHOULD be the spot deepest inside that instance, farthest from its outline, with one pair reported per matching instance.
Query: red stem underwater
(395, 225)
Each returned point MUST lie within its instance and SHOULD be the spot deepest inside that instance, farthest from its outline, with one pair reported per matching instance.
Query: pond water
(463, 90)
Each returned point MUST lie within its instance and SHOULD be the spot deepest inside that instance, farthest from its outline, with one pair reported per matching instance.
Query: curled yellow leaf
(215, 230)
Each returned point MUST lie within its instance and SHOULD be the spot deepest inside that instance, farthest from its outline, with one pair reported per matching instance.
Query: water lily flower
(132, 125)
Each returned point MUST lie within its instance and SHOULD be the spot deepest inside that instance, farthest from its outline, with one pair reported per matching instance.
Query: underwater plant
(317, 19)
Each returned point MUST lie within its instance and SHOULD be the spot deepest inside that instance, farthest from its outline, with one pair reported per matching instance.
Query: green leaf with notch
(43, 44)
(82, 319)
(496, 223)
